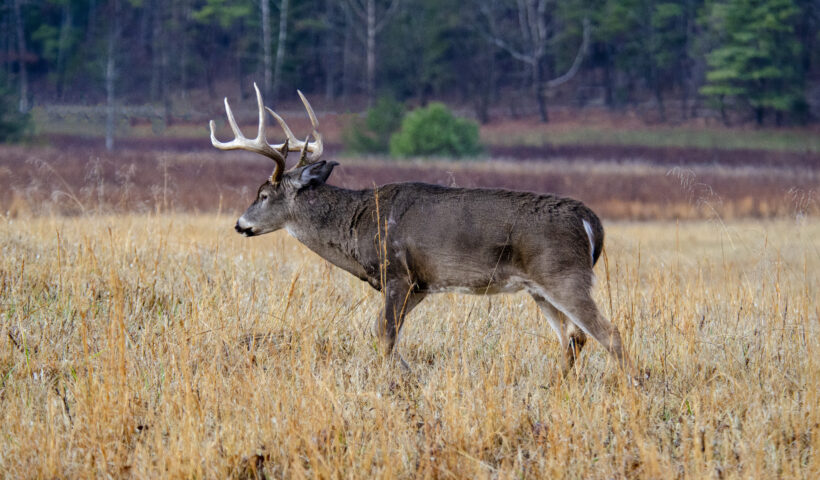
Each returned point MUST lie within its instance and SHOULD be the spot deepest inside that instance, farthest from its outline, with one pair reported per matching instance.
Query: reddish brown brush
(73, 180)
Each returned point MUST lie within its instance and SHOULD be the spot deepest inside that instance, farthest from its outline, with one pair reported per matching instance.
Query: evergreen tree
(757, 62)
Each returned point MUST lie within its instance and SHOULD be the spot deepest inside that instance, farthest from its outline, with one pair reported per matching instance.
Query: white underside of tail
(588, 228)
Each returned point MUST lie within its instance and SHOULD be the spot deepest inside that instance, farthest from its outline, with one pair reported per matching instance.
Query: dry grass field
(152, 346)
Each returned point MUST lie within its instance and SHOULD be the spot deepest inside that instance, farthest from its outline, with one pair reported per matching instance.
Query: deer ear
(315, 173)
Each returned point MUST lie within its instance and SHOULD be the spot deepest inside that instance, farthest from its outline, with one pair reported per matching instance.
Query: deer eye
(263, 196)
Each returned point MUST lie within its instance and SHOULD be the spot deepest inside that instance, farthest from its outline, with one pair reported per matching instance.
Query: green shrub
(372, 134)
(434, 130)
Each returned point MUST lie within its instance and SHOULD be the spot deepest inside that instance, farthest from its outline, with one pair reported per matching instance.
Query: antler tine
(236, 132)
(214, 141)
(318, 145)
(258, 145)
(303, 156)
(260, 135)
(283, 148)
(232, 121)
(313, 120)
(293, 144)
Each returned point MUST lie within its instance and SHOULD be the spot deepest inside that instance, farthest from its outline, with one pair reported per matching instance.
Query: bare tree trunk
(280, 49)
(164, 80)
(266, 40)
(723, 116)
(329, 52)
(483, 86)
(538, 88)
(159, 60)
(62, 48)
(110, 119)
(371, 51)
(90, 30)
(347, 53)
(237, 33)
(9, 43)
(609, 97)
(21, 58)
(182, 25)
(570, 73)
(692, 64)
(373, 25)
(156, 45)
(659, 99)
(110, 74)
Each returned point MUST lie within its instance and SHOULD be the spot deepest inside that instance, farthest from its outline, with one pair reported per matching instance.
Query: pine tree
(757, 63)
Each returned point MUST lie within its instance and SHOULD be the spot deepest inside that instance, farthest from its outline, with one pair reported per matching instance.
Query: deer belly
(478, 271)
(508, 284)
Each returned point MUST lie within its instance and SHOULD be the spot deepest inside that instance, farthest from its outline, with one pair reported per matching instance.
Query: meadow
(141, 337)
(154, 345)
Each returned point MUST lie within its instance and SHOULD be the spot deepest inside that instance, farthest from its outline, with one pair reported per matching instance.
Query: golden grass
(169, 346)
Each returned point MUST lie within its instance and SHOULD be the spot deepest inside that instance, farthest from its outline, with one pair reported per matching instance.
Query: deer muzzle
(244, 228)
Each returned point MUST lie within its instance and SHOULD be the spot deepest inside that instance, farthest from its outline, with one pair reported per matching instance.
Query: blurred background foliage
(434, 130)
(14, 125)
(371, 133)
(740, 61)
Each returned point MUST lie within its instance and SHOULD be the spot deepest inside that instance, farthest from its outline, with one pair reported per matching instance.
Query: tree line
(739, 60)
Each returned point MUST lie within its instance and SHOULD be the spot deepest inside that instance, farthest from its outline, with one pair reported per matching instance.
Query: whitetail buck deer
(409, 240)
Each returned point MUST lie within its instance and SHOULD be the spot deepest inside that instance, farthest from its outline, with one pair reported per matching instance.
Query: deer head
(274, 202)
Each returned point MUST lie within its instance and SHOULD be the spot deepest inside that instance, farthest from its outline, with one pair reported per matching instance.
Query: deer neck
(326, 220)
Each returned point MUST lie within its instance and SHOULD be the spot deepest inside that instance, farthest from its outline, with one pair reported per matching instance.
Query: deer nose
(245, 227)
(244, 231)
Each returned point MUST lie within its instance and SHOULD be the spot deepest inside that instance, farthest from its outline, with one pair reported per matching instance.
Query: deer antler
(294, 144)
(277, 153)
(260, 144)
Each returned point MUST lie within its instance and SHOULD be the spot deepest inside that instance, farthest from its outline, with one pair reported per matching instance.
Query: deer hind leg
(571, 296)
(572, 339)
(399, 300)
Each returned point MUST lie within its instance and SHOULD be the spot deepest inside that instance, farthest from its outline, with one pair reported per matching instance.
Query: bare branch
(493, 37)
(357, 8)
(391, 10)
(576, 64)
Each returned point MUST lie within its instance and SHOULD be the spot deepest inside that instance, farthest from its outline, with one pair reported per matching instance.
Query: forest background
(734, 61)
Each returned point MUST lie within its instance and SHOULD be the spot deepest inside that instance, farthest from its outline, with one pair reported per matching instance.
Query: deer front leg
(399, 299)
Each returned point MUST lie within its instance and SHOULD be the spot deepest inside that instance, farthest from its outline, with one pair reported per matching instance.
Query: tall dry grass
(168, 346)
